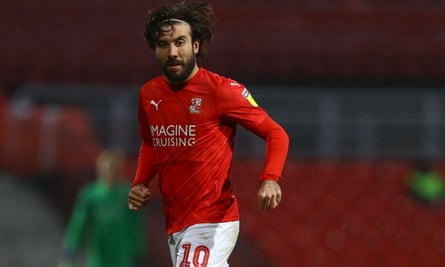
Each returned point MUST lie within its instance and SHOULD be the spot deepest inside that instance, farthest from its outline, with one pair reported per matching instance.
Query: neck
(176, 84)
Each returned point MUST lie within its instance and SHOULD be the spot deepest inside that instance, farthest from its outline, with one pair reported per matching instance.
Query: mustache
(174, 62)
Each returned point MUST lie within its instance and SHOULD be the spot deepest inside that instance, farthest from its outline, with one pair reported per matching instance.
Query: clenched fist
(139, 196)
(269, 195)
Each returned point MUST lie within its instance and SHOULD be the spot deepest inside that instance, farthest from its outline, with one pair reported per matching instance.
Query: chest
(184, 107)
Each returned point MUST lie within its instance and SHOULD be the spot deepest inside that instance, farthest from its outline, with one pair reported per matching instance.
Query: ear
(196, 45)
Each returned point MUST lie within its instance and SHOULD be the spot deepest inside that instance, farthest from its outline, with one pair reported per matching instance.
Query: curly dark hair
(199, 15)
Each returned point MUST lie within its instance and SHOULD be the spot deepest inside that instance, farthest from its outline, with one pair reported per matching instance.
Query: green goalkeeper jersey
(113, 235)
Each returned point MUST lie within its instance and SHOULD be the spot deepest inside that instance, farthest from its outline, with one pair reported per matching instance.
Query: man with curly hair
(187, 120)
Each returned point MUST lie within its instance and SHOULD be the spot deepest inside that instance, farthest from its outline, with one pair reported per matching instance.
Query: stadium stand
(342, 213)
(30, 228)
(52, 145)
(41, 139)
(289, 41)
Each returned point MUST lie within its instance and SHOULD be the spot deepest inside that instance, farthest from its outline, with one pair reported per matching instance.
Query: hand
(139, 196)
(269, 195)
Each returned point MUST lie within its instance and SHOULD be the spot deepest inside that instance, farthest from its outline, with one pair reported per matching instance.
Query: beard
(181, 75)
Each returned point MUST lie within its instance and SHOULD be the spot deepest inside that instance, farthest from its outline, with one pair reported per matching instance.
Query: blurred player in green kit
(112, 235)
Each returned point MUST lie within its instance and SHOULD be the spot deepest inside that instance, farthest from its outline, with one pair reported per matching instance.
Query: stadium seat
(359, 215)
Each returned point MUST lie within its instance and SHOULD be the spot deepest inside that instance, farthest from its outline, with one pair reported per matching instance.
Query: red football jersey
(188, 136)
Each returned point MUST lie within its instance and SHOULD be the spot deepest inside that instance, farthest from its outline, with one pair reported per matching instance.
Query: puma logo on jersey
(155, 104)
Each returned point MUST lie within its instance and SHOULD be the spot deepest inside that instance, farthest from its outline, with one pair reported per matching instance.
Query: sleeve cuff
(264, 177)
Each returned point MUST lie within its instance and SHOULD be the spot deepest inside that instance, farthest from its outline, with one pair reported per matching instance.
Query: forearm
(145, 167)
(277, 144)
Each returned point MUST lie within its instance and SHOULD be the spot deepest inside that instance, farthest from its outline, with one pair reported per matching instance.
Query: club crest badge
(195, 107)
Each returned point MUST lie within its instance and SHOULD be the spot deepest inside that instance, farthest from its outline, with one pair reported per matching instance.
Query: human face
(176, 53)
(109, 167)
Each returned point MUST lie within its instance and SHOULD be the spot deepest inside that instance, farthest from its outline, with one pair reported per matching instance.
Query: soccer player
(187, 120)
(112, 235)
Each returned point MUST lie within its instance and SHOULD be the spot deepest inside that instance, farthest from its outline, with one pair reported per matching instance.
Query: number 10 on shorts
(199, 257)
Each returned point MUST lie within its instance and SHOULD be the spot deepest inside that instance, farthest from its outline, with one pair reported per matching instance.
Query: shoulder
(221, 82)
(156, 82)
(87, 191)
(230, 90)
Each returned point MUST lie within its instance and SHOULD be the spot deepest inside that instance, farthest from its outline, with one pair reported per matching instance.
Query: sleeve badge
(247, 95)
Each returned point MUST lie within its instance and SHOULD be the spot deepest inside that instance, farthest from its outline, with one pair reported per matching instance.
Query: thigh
(204, 245)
